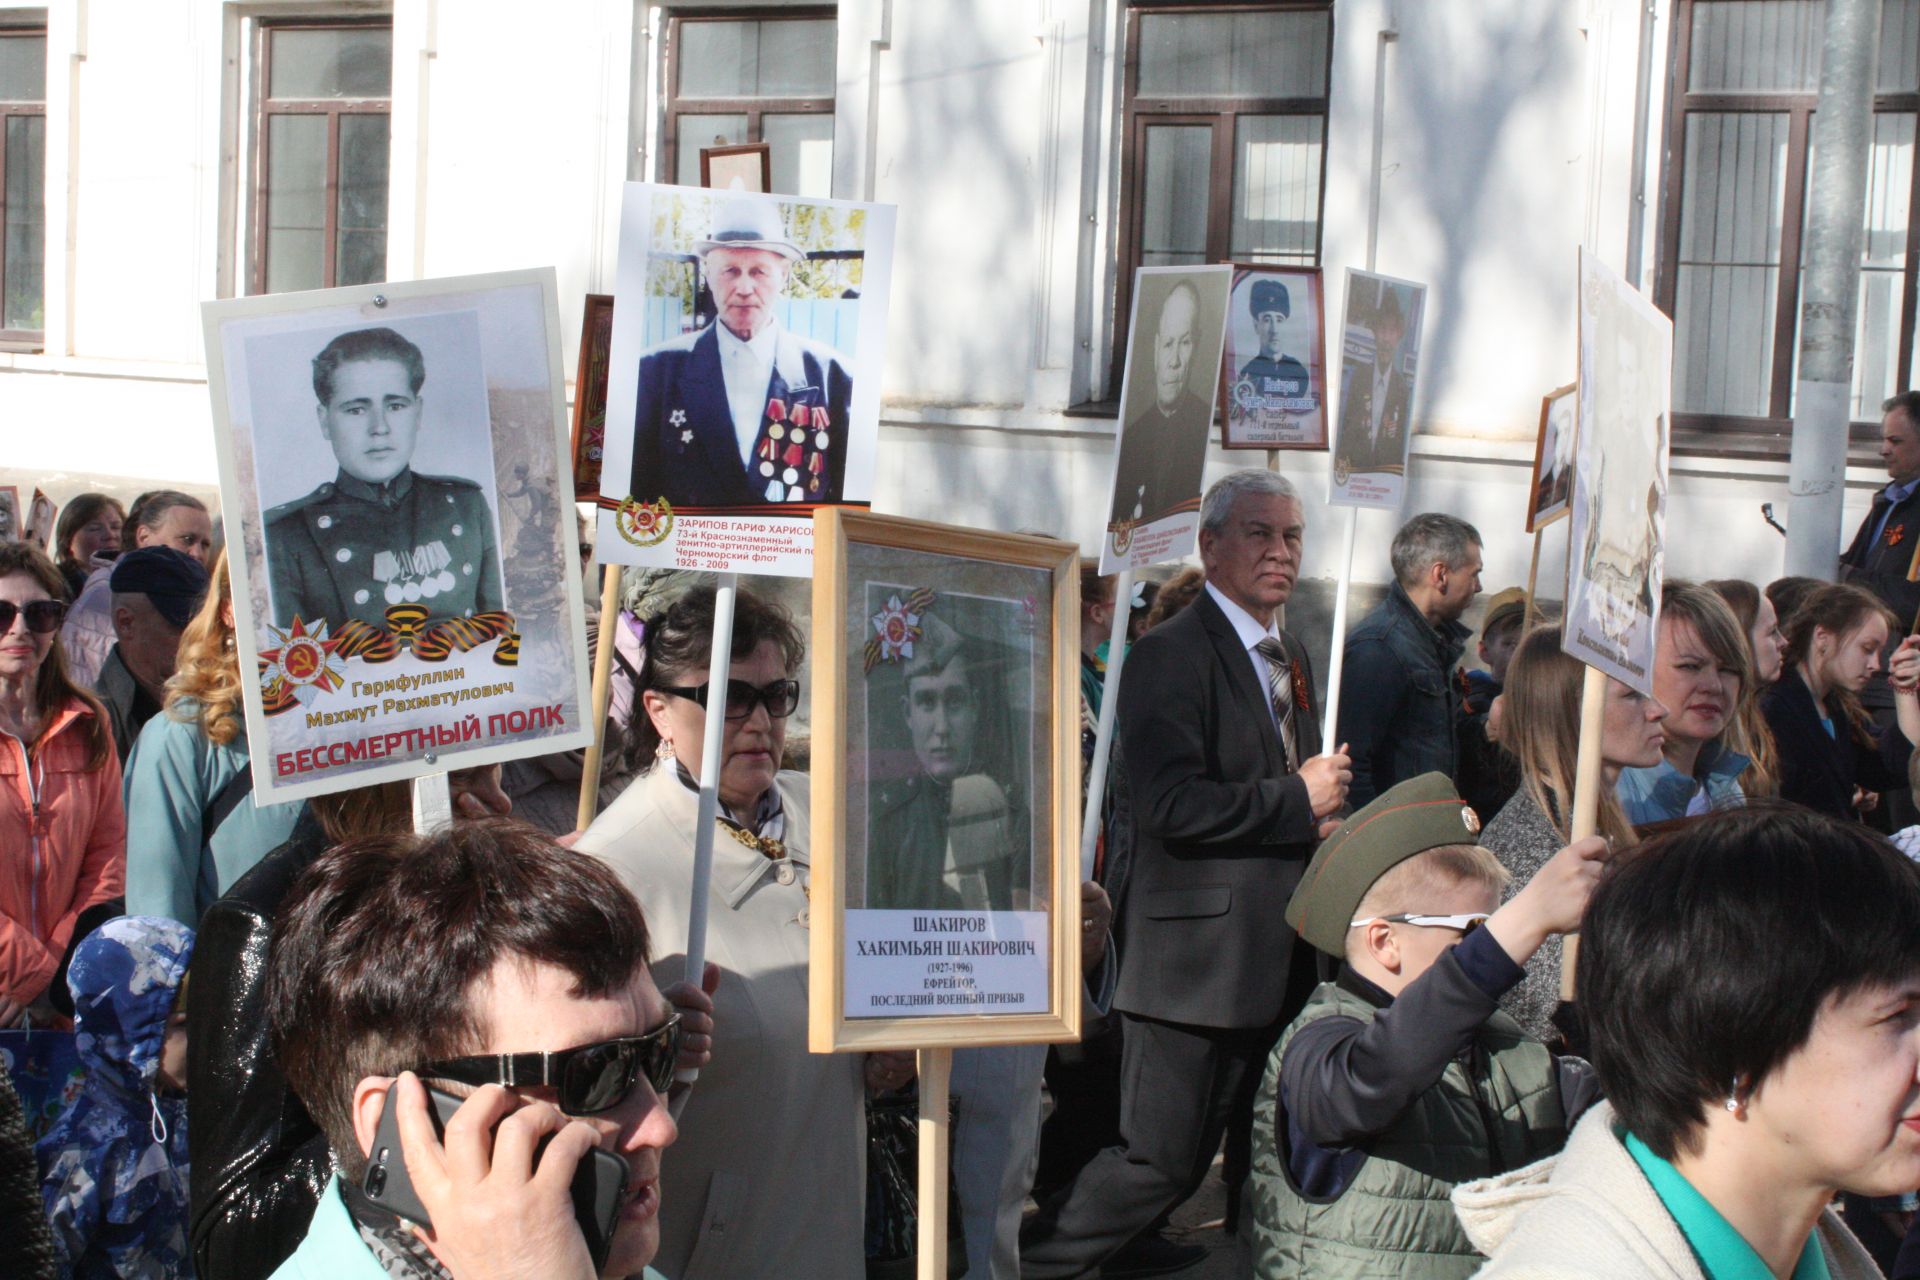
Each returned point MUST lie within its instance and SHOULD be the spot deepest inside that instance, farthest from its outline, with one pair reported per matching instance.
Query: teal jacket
(175, 867)
(1661, 792)
(333, 1249)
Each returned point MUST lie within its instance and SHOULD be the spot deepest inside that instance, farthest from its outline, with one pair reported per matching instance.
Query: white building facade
(1038, 150)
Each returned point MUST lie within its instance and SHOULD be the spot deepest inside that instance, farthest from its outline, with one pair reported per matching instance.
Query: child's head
(1500, 630)
(1409, 853)
(1453, 880)
(129, 1010)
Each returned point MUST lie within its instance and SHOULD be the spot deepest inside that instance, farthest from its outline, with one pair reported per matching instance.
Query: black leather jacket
(259, 1160)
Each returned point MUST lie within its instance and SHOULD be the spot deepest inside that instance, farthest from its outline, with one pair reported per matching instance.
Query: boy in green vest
(1402, 1077)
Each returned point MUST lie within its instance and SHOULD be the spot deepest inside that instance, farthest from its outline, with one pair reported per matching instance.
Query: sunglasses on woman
(590, 1078)
(781, 697)
(1465, 923)
(42, 615)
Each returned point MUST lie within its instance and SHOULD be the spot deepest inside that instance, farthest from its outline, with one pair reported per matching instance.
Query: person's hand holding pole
(1552, 902)
(1327, 778)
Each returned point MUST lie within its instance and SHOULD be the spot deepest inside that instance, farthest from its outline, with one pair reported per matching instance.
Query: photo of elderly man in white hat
(742, 413)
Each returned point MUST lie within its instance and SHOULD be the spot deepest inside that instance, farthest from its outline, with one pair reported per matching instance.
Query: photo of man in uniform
(1376, 394)
(1273, 375)
(946, 837)
(379, 534)
(1160, 461)
(743, 412)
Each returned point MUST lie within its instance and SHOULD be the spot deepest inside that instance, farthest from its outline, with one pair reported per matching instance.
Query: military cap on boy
(1504, 604)
(1421, 813)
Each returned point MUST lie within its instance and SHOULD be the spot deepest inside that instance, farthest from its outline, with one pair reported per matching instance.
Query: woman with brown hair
(1828, 744)
(1748, 733)
(1702, 676)
(62, 828)
(1540, 724)
(188, 782)
(89, 526)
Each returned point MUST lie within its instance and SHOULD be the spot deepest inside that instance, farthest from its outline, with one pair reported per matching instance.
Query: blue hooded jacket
(113, 1169)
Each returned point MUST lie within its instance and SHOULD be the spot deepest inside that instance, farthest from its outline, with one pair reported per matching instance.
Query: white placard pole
(711, 758)
(1103, 736)
(1337, 655)
(930, 1245)
(432, 804)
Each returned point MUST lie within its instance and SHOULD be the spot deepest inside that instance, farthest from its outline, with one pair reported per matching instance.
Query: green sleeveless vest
(1495, 1108)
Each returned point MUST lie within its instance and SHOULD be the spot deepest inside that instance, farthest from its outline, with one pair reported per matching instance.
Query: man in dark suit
(1375, 398)
(1158, 467)
(742, 413)
(1220, 741)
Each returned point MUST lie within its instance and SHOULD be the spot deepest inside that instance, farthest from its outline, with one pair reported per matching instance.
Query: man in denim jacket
(1397, 694)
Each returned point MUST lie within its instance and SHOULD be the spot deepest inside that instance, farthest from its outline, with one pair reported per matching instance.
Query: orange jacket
(63, 847)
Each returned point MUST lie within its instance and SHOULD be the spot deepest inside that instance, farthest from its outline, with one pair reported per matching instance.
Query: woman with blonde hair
(197, 828)
(1702, 676)
(1540, 724)
(1749, 734)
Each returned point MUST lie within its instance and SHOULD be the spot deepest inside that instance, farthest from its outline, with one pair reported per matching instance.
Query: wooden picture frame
(590, 395)
(1014, 605)
(1547, 503)
(750, 162)
(1248, 418)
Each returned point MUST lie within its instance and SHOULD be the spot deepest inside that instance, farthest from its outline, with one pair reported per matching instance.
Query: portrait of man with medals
(742, 413)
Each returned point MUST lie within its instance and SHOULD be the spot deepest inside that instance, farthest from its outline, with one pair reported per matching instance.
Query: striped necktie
(1280, 690)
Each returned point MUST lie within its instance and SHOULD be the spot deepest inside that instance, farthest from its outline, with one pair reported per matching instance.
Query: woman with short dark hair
(1751, 987)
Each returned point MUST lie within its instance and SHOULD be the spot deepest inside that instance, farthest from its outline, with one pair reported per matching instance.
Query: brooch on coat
(1302, 691)
(1895, 533)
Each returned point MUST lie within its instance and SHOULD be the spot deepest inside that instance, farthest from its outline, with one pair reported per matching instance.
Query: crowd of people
(313, 1042)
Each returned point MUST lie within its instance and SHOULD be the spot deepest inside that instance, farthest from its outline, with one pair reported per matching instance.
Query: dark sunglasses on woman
(42, 615)
(590, 1078)
(781, 697)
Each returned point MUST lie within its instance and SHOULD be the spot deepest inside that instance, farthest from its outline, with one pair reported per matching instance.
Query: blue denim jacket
(1398, 696)
(1662, 792)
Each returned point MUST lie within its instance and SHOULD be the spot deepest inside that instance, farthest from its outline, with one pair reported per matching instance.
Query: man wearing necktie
(1220, 739)
(1882, 554)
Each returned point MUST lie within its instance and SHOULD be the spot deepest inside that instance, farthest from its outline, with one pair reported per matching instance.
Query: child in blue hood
(114, 1165)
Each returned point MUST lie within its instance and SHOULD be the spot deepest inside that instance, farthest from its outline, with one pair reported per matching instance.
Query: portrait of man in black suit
(1219, 738)
(743, 412)
(1175, 365)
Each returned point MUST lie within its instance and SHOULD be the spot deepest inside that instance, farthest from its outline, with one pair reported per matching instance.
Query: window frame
(673, 106)
(22, 339)
(1221, 114)
(263, 106)
(1798, 107)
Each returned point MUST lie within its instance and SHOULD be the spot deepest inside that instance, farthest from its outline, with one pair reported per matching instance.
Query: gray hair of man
(1429, 539)
(1217, 507)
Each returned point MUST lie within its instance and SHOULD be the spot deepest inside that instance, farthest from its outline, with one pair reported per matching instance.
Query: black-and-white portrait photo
(1172, 374)
(405, 510)
(1274, 371)
(1552, 491)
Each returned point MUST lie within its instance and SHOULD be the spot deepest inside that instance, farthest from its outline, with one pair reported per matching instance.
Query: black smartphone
(599, 1181)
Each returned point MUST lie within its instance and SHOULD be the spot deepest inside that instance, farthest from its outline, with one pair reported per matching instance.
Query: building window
(325, 103)
(23, 185)
(1226, 123)
(768, 80)
(1747, 79)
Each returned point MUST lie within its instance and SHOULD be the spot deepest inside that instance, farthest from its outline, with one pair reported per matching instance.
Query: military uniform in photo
(1373, 415)
(351, 549)
(1158, 470)
(1282, 378)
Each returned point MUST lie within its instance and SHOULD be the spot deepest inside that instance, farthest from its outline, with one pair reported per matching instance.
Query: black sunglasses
(42, 615)
(780, 697)
(591, 1078)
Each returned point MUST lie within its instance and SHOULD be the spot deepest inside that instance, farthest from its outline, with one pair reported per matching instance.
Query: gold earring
(665, 750)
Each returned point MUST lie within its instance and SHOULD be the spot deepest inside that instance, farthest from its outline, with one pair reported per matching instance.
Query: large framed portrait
(590, 396)
(1379, 362)
(945, 786)
(393, 472)
(1616, 548)
(1273, 381)
(1167, 392)
(748, 340)
(1551, 494)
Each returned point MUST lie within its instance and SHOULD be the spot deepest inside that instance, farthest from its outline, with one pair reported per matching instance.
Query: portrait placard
(1379, 361)
(590, 396)
(40, 519)
(1620, 478)
(1273, 382)
(406, 581)
(946, 786)
(12, 522)
(1167, 390)
(1552, 491)
(745, 166)
(748, 339)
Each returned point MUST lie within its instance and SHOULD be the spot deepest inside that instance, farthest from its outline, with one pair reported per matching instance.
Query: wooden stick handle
(602, 694)
(1586, 797)
(1533, 586)
(936, 1066)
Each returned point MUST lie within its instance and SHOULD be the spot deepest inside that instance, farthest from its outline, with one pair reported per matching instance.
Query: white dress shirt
(1251, 633)
(747, 368)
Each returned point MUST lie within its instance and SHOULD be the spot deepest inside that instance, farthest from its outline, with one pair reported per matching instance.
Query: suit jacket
(1158, 453)
(1880, 565)
(1222, 830)
(1821, 772)
(684, 446)
(1357, 447)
